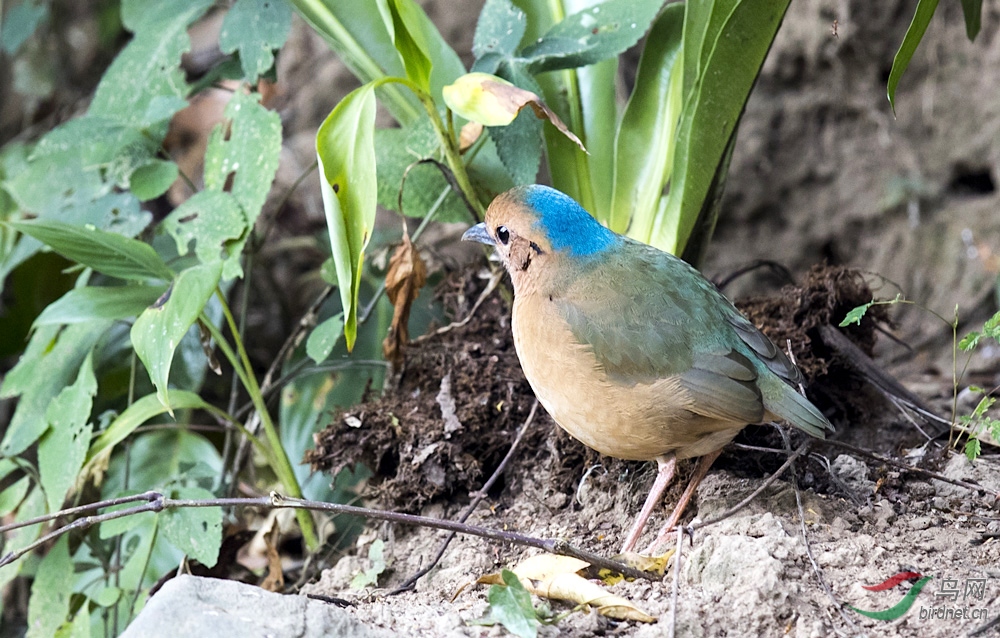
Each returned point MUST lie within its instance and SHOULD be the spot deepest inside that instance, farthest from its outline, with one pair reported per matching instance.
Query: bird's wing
(648, 316)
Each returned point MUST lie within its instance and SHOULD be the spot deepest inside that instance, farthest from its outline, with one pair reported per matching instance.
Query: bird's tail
(799, 411)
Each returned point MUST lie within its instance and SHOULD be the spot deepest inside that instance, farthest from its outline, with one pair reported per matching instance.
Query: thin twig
(477, 498)
(763, 486)
(675, 594)
(805, 538)
(275, 500)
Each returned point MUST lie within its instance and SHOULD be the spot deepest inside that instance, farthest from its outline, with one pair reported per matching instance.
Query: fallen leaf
(407, 275)
(493, 101)
(557, 577)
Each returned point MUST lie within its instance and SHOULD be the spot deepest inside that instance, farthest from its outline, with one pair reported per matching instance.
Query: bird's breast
(641, 421)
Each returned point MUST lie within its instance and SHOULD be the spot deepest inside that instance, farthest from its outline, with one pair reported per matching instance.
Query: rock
(854, 473)
(193, 606)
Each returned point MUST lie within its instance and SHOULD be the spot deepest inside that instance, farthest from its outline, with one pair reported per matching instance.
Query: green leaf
(196, 531)
(592, 35)
(324, 337)
(369, 577)
(644, 144)
(409, 41)
(346, 153)
(19, 24)
(972, 10)
(248, 158)
(48, 606)
(969, 341)
(152, 179)
(396, 149)
(519, 146)
(214, 221)
(138, 413)
(255, 28)
(991, 328)
(63, 447)
(511, 606)
(33, 506)
(855, 315)
(149, 65)
(91, 303)
(108, 253)
(499, 30)
(914, 34)
(734, 49)
(51, 361)
(158, 331)
(13, 494)
(973, 448)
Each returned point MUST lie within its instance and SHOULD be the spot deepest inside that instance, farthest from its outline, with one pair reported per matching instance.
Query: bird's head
(536, 227)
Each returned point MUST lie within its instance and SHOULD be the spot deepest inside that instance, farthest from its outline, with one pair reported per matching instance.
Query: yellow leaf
(492, 101)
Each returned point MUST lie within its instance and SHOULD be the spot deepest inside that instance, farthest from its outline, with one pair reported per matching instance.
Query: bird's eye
(503, 234)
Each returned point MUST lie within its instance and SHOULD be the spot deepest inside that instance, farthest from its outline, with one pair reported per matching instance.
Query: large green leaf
(240, 164)
(51, 361)
(138, 413)
(32, 507)
(733, 53)
(215, 222)
(499, 31)
(197, 531)
(150, 64)
(346, 152)
(596, 33)
(108, 253)
(914, 34)
(63, 447)
(158, 331)
(255, 28)
(82, 305)
(48, 606)
(410, 41)
(644, 145)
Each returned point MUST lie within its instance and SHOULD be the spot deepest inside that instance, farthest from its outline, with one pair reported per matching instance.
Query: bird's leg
(665, 472)
(704, 463)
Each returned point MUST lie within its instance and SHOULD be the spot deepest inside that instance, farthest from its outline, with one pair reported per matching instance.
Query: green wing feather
(668, 320)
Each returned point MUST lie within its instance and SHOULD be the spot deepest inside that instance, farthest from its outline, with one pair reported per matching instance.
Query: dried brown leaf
(407, 275)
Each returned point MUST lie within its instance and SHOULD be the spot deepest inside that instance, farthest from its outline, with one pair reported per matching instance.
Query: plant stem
(448, 142)
(278, 457)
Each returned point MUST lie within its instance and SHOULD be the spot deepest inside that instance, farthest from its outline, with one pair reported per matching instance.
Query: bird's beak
(480, 234)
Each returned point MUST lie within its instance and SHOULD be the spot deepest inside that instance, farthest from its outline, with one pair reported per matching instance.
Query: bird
(630, 349)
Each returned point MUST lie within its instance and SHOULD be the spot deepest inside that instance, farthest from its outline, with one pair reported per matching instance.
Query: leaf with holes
(149, 65)
(255, 28)
(63, 447)
(158, 331)
(196, 531)
(346, 153)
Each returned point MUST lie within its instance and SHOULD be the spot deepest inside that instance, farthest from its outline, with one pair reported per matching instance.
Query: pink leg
(704, 463)
(665, 472)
